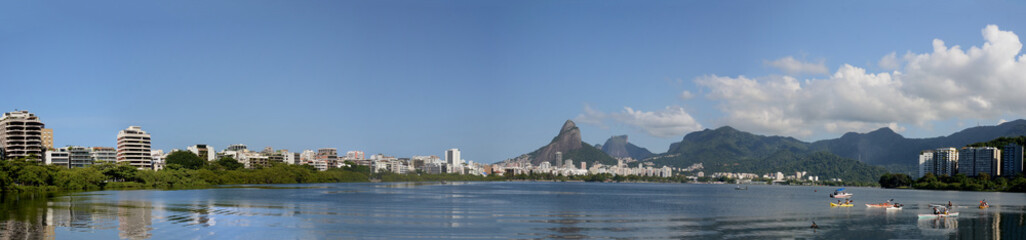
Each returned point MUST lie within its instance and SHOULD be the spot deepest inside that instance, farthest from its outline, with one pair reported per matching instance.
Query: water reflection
(490, 210)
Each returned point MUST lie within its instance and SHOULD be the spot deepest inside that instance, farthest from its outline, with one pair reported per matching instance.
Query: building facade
(57, 157)
(103, 155)
(972, 161)
(1011, 160)
(134, 148)
(203, 151)
(21, 135)
(79, 156)
(926, 163)
(47, 138)
(452, 158)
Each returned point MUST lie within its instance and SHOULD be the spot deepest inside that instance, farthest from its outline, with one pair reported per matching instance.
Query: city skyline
(496, 79)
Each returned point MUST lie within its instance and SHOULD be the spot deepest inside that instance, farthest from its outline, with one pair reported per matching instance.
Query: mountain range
(853, 156)
(885, 147)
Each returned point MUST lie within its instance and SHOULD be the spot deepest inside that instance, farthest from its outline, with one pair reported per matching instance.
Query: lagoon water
(519, 210)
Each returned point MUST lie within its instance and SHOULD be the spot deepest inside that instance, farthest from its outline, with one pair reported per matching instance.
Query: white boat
(930, 215)
(840, 195)
(893, 208)
(741, 188)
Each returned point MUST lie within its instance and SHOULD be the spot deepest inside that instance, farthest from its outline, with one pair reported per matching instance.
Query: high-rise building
(559, 159)
(21, 135)
(945, 161)
(452, 157)
(926, 163)
(972, 161)
(103, 154)
(48, 138)
(134, 148)
(203, 151)
(1011, 160)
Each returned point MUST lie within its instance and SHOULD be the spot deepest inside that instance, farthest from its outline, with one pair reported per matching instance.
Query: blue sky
(498, 78)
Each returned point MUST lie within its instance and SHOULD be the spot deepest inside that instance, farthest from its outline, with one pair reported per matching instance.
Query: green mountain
(729, 150)
(885, 147)
(568, 143)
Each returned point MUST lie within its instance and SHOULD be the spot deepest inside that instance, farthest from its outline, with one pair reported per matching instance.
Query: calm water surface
(506, 210)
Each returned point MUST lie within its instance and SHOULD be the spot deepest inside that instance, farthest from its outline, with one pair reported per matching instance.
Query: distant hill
(885, 147)
(569, 143)
(728, 150)
(618, 147)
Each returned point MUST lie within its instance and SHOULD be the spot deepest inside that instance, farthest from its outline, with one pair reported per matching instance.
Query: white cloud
(592, 116)
(795, 67)
(671, 122)
(949, 83)
(686, 95)
(890, 62)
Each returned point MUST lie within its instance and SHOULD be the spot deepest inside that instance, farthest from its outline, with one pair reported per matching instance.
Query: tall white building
(945, 161)
(134, 148)
(452, 158)
(21, 135)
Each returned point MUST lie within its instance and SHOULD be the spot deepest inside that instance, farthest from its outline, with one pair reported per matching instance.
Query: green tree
(186, 159)
(229, 163)
(894, 180)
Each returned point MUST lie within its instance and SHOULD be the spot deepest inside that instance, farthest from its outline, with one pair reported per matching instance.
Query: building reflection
(135, 219)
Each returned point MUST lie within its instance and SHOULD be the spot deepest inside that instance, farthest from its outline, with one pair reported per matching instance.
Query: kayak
(840, 195)
(984, 206)
(893, 208)
(930, 215)
(880, 205)
(842, 205)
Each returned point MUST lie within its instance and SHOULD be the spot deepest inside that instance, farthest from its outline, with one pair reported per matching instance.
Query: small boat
(894, 208)
(842, 205)
(741, 188)
(840, 195)
(984, 206)
(931, 215)
(883, 205)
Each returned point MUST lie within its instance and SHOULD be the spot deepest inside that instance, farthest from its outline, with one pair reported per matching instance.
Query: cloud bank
(981, 82)
(670, 122)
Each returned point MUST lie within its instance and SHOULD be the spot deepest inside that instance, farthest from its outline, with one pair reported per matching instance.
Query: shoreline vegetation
(959, 182)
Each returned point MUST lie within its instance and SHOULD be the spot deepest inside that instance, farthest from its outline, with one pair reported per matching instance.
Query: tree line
(960, 182)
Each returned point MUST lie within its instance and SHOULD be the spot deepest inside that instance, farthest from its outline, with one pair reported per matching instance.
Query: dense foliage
(21, 175)
(1001, 142)
(895, 180)
(185, 159)
(961, 182)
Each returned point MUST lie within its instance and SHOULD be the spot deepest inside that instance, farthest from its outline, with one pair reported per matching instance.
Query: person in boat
(935, 211)
(950, 205)
(983, 203)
